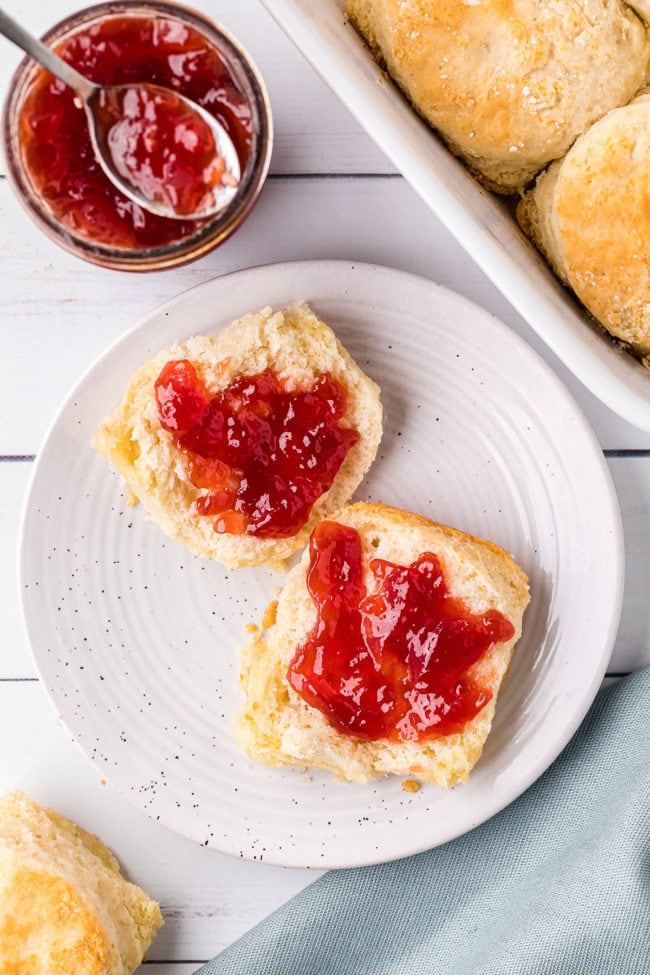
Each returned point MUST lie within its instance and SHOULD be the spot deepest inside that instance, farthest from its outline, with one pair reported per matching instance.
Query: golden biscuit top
(509, 83)
(602, 214)
(65, 909)
(46, 928)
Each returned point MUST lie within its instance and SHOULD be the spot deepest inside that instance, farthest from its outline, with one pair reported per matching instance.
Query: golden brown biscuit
(589, 213)
(509, 84)
(278, 727)
(65, 909)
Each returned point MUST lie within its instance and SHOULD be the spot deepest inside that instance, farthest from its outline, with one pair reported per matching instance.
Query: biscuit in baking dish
(589, 215)
(296, 345)
(278, 727)
(509, 84)
(65, 909)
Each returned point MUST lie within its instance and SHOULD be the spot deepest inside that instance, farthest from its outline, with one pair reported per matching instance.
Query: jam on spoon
(167, 150)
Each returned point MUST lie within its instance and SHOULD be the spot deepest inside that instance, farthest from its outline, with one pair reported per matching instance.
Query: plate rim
(540, 765)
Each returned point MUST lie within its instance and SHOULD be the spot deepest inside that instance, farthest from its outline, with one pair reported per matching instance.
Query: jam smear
(264, 454)
(389, 661)
(53, 130)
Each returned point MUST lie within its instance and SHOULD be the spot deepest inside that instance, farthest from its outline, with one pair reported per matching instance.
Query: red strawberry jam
(162, 148)
(56, 145)
(390, 661)
(263, 454)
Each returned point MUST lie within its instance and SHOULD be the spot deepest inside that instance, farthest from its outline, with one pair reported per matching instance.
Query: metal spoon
(107, 109)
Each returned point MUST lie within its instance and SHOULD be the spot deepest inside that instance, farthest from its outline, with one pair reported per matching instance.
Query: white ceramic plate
(480, 221)
(136, 640)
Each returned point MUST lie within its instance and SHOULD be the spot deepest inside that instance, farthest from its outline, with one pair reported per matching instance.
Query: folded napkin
(556, 884)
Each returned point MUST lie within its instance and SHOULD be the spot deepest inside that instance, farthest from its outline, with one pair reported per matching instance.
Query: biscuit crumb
(410, 785)
(251, 628)
(269, 615)
(131, 498)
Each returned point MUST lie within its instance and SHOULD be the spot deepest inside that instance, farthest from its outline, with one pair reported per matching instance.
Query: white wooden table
(331, 194)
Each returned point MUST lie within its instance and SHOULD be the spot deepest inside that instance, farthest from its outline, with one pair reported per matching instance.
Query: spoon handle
(45, 56)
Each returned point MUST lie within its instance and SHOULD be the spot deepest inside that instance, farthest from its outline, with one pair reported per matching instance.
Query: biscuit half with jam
(238, 443)
(386, 650)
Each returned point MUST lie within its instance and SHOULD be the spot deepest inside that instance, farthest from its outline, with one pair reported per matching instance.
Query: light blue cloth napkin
(556, 884)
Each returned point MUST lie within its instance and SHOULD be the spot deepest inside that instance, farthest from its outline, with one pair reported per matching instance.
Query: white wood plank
(207, 899)
(15, 658)
(631, 476)
(314, 133)
(632, 650)
(59, 313)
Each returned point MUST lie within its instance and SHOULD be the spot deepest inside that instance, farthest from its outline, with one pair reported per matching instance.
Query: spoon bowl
(164, 151)
(161, 150)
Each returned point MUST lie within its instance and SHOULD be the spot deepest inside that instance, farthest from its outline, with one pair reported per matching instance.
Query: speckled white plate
(136, 640)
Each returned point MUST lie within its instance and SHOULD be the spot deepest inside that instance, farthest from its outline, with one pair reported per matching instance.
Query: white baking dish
(481, 222)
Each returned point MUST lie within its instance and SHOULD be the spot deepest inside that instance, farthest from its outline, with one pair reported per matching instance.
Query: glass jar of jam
(51, 164)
